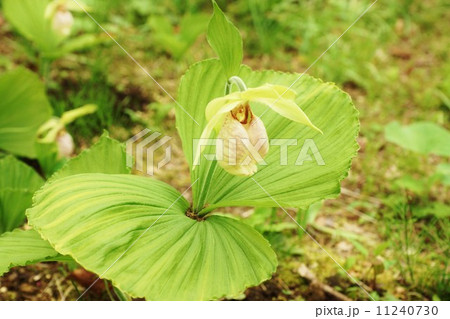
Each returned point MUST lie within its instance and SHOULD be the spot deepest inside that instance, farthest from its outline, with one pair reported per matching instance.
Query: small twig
(48, 287)
(58, 287)
(68, 291)
(358, 213)
(373, 200)
(305, 272)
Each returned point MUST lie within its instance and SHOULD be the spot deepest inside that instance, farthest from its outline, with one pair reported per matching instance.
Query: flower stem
(236, 81)
(44, 69)
(205, 211)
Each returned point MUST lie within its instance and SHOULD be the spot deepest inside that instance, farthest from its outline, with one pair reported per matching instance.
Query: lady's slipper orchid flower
(244, 137)
(62, 22)
(54, 130)
(60, 15)
(66, 145)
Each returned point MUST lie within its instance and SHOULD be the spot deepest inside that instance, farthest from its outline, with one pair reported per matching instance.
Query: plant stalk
(235, 80)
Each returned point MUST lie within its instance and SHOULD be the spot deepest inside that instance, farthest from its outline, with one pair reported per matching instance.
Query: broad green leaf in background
(24, 247)
(177, 41)
(296, 184)
(259, 217)
(23, 109)
(436, 209)
(226, 41)
(192, 25)
(443, 172)
(13, 204)
(18, 175)
(417, 186)
(47, 156)
(422, 137)
(79, 43)
(101, 220)
(160, 24)
(28, 17)
(262, 220)
(18, 182)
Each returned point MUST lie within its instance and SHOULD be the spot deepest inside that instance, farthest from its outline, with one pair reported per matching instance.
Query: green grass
(73, 91)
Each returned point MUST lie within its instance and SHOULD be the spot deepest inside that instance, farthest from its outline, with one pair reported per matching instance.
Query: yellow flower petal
(289, 109)
(219, 103)
(269, 91)
(72, 115)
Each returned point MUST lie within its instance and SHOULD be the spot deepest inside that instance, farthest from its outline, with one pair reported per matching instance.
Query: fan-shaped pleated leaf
(305, 177)
(18, 182)
(133, 230)
(23, 247)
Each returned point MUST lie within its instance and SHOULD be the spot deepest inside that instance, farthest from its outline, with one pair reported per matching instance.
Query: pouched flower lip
(62, 23)
(244, 142)
(279, 98)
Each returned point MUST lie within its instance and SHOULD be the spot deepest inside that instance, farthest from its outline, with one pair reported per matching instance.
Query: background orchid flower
(54, 130)
(60, 15)
(245, 141)
(62, 22)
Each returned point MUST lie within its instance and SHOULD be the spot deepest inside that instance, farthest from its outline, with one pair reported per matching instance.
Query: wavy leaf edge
(53, 244)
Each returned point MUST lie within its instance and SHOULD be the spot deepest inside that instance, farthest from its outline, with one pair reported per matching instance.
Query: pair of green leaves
(133, 230)
(139, 225)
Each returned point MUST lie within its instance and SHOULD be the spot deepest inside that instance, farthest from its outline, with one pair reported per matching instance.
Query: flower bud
(65, 143)
(62, 22)
(245, 142)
